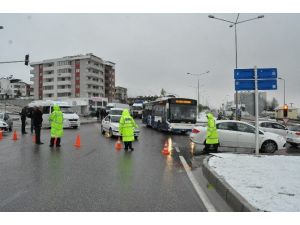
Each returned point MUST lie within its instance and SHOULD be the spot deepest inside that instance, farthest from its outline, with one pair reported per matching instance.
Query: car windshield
(115, 119)
(116, 112)
(180, 112)
(294, 128)
(66, 109)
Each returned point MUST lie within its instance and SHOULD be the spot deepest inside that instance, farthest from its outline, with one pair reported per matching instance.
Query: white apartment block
(69, 77)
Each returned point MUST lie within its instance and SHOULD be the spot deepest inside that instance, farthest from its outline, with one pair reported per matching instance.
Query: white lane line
(203, 197)
(177, 149)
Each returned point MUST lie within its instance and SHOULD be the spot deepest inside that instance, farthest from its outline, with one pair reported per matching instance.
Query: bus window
(182, 112)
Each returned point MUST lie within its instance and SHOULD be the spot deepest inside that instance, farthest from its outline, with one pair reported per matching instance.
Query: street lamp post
(280, 78)
(232, 23)
(194, 74)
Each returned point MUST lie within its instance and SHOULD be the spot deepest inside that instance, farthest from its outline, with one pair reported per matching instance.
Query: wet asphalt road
(94, 177)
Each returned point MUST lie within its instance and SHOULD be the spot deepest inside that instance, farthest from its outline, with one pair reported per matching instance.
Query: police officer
(56, 120)
(212, 138)
(126, 129)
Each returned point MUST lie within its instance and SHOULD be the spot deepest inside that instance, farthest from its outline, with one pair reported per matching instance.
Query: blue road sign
(248, 85)
(267, 73)
(262, 73)
(243, 74)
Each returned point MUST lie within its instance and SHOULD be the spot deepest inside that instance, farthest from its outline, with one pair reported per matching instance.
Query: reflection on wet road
(94, 177)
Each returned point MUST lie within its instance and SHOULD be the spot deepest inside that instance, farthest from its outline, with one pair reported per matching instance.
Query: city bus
(171, 114)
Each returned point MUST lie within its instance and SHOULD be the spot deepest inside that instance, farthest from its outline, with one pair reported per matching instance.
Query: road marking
(177, 149)
(203, 197)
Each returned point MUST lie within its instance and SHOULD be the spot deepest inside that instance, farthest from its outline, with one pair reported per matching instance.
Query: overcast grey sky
(154, 51)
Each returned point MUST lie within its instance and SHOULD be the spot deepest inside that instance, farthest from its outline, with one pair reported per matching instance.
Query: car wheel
(10, 129)
(110, 132)
(102, 131)
(269, 147)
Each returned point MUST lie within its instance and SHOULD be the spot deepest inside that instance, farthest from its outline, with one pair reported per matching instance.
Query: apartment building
(78, 76)
(121, 94)
(110, 80)
(13, 88)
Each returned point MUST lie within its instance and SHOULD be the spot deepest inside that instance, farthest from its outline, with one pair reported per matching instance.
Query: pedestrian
(23, 115)
(30, 115)
(97, 114)
(57, 124)
(212, 138)
(102, 114)
(126, 129)
(37, 123)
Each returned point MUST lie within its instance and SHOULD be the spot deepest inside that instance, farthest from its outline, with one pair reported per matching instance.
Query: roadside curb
(231, 196)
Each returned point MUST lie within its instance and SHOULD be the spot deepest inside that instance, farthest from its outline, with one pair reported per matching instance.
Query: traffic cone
(165, 150)
(118, 145)
(33, 138)
(1, 134)
(77, 142)
(15, 136)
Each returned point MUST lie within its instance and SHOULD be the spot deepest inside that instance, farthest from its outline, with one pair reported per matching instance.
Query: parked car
(6, 118)
(4, 126)
(293, 135)
(110, 124)
(239, 134)
(273, 127)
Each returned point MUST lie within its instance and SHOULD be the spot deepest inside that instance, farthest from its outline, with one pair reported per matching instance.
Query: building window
(65, 70)
(63, 63)
(77, 70)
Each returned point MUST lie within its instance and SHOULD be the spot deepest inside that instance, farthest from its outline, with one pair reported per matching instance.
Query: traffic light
(285, 111)
(26, 60)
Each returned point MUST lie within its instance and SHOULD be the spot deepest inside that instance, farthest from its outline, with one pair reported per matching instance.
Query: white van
(71, 119)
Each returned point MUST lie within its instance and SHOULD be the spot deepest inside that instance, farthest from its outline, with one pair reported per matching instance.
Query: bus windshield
(137, 108)
(182, 113)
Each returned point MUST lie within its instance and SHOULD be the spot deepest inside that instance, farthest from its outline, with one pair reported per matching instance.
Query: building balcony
(63, 90)
(52, 91)
(48, 68)
(65, 82)
(64, 75)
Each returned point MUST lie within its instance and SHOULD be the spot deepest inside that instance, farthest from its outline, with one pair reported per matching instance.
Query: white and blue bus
(176, 115)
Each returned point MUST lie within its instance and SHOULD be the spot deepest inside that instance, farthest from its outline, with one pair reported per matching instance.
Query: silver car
(273, 127)
(6, 118)
(293, 136)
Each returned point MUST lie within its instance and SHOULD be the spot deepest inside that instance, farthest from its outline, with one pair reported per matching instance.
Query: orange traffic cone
(1, 134)
(15, 136)
(33, 138)
(77, 142)
(118, 145)
(165, 150)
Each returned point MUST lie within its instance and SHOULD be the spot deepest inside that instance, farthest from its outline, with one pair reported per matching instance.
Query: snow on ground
(268, 182)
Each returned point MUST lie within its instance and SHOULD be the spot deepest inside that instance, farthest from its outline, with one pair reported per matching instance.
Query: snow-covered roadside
(268, 182)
